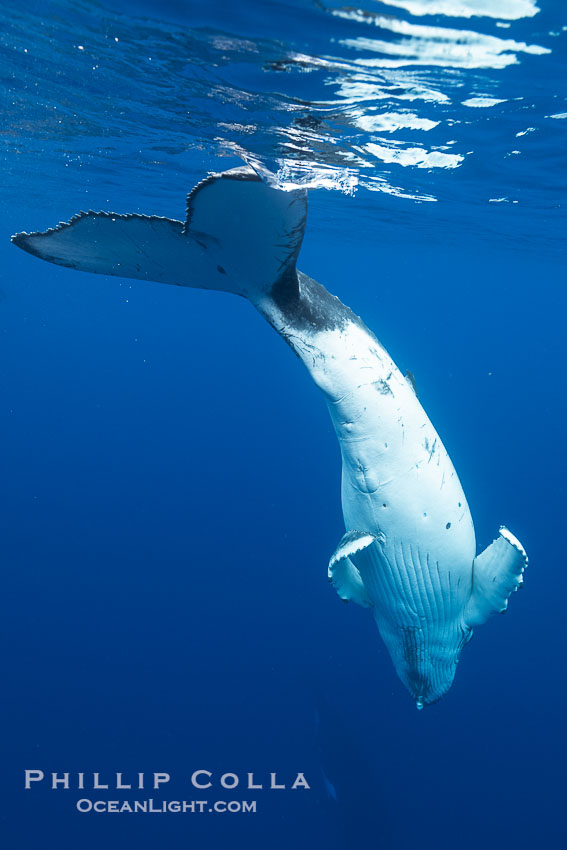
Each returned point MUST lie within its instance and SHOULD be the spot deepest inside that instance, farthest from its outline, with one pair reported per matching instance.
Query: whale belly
(399, 484)
(400, 494)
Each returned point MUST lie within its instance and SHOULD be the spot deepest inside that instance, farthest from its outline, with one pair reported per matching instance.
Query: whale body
(409, 551)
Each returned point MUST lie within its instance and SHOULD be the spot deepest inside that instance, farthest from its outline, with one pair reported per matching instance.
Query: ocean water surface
(171, 479)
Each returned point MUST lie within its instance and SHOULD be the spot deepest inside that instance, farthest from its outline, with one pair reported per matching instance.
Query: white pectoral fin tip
(351, 543)
(513, 540)
(343, 574)
(497, 572)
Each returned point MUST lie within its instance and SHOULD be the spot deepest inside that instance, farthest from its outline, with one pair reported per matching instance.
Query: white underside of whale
(409, 549)
(398, 485)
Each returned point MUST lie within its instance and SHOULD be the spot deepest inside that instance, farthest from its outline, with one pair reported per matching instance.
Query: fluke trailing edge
(409, 549)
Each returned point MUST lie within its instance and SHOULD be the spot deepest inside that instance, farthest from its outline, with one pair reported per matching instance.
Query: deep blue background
(170, 498)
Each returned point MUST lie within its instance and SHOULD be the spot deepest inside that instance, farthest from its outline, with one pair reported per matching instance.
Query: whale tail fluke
(240, 236)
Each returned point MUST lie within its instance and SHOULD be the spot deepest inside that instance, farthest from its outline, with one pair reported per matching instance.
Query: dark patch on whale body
(383, 387)
(305, 305)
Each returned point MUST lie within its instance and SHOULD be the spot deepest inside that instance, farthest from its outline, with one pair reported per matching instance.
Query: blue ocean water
(171, 480)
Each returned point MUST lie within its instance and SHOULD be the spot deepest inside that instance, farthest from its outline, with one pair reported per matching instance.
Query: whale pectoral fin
(343, 574)
(496, 573)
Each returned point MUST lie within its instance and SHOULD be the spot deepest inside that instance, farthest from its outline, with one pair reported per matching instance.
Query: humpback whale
(408, 552)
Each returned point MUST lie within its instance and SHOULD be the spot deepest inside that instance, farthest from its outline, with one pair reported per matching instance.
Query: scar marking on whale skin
(431, 450)
(383, 387)
(299, 344)
(359, 387)
(361, 481)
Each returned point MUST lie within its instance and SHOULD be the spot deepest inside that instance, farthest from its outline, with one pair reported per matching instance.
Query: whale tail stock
(240, 236)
